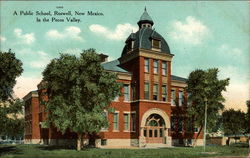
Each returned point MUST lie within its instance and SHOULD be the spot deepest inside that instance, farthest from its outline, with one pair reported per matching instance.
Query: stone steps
(156, 145)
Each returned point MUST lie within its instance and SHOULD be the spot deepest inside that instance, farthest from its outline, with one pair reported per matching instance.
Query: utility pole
(205, 125)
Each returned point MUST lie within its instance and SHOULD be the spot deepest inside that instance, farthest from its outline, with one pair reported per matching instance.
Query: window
(146, 65)
(173, 123)
(180, 98)
(172, 97)
(104, 142)
(155, 66)
(164, 68)
(133, 118)
(164, 93)
(116, 121)
(126, 122)
(189, 125)
(180, 124)
(130, 45)
(145, 133)
(126, 92)
(105, 115)
(196, 129)
(146, 90)
(155, 95)
(156, 43)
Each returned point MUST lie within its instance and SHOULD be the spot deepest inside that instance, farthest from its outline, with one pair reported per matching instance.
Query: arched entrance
(154, 130)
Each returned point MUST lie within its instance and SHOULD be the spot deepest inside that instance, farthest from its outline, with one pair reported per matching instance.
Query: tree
(13, 120)
(205, 88)
(10, 69)
(79, 90)
(233, 122)
(248, 117)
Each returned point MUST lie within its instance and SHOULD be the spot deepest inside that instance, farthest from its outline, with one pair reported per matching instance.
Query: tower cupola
(145, 20)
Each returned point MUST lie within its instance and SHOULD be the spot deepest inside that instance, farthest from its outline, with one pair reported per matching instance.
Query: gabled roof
(113, 66)
(177, 78)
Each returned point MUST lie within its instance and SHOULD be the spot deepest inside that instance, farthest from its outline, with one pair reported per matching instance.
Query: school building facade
(150, 113)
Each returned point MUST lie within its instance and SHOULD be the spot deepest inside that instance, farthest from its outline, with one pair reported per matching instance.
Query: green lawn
(36, 151)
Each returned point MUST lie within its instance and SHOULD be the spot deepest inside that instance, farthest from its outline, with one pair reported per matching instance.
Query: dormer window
(130, 45)
(156, 43)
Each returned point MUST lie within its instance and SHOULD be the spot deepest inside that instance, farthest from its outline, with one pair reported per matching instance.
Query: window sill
(115, 131)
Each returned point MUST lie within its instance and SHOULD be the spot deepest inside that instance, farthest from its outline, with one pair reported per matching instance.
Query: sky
(200, 34)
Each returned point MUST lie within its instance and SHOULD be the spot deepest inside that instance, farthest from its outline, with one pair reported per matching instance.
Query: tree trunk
(79, 141)
(195, 141)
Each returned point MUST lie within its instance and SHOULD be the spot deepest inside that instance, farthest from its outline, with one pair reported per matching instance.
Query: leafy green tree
(205, 88)
(234, 122)
(248, 117)
(10, 69)
(79, 90)
(14, 126)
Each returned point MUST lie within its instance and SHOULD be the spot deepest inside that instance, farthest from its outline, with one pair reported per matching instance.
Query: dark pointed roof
(145, 18)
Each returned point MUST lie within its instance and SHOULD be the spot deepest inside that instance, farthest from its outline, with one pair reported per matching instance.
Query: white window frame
(103, 129)
(147, 91)
(157, 91)
(116, 130)
(126, 113)
(126, 93)
(164, 70)
(166, 94)
(156, 67)
(146, 66)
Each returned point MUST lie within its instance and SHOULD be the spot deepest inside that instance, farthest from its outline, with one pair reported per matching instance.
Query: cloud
(24, 85)
(73, 51)
(2, 39)
(233, 73)
(70, 32)
(120, 33)
(42, 53)
(192, 31)
(225, 49)
(39, 58)
(27, 38)
(39, 64)
(43, 60)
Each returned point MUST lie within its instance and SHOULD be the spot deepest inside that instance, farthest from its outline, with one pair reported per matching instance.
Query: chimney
(103, 57)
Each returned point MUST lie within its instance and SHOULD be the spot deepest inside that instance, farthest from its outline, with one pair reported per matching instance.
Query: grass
(39, 151)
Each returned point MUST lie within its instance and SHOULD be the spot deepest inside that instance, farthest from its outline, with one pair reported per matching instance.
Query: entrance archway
(154, 128)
